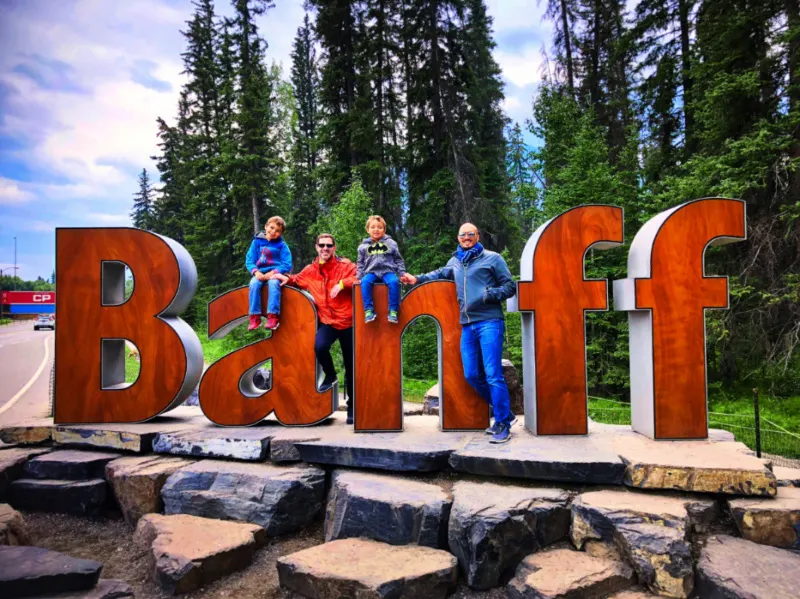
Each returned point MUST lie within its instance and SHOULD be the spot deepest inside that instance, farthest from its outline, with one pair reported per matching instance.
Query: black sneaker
(326, 385)
(349, 420)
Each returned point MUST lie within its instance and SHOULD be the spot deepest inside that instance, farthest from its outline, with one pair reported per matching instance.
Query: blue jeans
(482, 355)
(273, 296)
(392, 282)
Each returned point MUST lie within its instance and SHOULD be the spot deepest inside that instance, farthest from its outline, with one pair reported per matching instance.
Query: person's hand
(261, 276)
(335, 291)
(408, 279)
(282, 278)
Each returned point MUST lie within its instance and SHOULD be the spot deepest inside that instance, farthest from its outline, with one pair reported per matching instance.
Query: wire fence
(780, 446)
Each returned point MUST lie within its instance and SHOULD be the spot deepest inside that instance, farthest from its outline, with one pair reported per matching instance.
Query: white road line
(30, 383)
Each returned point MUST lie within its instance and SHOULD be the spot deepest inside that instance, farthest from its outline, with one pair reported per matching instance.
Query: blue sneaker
(492, 429)
(369, 316)
(502, 435)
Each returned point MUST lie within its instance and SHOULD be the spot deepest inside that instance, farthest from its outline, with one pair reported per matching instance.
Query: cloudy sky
(82, 82)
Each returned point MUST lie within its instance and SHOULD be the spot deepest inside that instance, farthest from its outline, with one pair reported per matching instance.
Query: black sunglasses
(325, 245)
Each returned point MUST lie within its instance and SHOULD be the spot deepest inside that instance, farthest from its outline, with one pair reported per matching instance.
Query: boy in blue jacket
(268, 255)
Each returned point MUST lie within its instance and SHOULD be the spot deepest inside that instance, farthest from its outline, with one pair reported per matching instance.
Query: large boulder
(187, 552)
(281, 499)
(12, 464)
(731, 568)
(651, 532)
(492, 527)
(137, 483)
(773, 522)
(12, 527)
(430, 401)
(515, 390)
(29, 571)
(79, 497)
(367, 569)
(69, 464)
(566, 574)
(393, 510)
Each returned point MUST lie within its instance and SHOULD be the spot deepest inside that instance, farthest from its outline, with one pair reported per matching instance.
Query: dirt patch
(110, 541)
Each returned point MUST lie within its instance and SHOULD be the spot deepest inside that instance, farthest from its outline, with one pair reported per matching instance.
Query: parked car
(45, 321)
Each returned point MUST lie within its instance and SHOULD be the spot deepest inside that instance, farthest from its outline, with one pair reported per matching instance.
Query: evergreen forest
(394, 107)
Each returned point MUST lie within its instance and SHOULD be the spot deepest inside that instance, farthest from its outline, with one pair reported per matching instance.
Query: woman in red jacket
(329, 280)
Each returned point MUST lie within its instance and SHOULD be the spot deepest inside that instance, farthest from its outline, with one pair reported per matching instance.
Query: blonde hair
(278, 221)
(377, 218)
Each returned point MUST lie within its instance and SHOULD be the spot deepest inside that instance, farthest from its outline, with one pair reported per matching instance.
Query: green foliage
(346, 220)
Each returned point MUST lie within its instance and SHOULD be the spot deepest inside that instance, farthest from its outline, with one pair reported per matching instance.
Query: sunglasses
(325, 245)
(470, 234)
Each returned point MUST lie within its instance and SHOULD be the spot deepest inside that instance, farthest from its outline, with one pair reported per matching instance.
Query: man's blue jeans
(392, 282)
(273, 296)
(482, 355)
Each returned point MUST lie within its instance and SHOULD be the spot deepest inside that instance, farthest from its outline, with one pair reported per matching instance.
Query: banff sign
(666, 295)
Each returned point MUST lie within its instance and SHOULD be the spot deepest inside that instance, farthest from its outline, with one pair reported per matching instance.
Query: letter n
(666, 296)
(554, 296)
(227, 394)
(378, 385)
(95, 320)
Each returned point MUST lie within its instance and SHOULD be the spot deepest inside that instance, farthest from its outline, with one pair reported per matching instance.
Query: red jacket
(318, 279)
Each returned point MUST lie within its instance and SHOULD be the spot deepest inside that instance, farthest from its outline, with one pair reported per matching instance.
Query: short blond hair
(278, 221)
(377, 218)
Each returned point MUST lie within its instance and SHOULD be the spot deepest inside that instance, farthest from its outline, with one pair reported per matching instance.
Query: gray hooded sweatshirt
(379, 257)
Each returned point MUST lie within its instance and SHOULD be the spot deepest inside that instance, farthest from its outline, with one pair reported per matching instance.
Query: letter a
(553, 295)
(227, 394)
(666, 296)
(95, 320)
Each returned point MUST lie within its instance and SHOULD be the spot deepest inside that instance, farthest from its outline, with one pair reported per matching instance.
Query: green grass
(5, 321)
(414, 390)
(131, 366)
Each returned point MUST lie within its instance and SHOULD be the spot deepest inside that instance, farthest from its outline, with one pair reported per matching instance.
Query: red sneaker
(272, 322)
(255, 321)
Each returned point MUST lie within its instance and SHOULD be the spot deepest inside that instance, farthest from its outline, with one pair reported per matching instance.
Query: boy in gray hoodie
(379, 259)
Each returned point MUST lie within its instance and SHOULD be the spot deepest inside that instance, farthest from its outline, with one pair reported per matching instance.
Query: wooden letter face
(555, 294)
(94, 320)
(227, 394)
(666, 296)
(378, 386)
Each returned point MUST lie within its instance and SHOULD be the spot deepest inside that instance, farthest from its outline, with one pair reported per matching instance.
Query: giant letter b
(94, 320)
(666, 296)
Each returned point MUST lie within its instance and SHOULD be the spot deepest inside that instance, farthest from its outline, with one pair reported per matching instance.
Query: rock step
(137, 483)
(773, 522)
(567, 574)
(28, 571)
(105, 589)
(12, 527)
(787, 477)
(80, 497)
(12, 463)
(369, 570)
(493, 527)
(732, 568)
(249, 444)
(31, 432)
(281, 499)
(392, 510)
(69, 464)
(187, 552)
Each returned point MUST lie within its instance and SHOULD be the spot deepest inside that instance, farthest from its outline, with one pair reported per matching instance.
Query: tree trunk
(686, 79)
(568, 48)
(254, 200)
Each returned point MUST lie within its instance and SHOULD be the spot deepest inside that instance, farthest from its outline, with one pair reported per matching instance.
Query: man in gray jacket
(482, 281)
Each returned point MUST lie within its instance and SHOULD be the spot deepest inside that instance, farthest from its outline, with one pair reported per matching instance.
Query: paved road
(26, 357)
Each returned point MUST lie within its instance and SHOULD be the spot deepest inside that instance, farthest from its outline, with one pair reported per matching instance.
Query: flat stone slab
(12, 464)
(369, 570)
(80, 497)
(188, 552)
(281, 499)
(105, 589)
(392, 510)
(69, 464)
(563, 459)
(732, 568)
(651, 532)
(12, 527)
(492, 527)
(136, 438)
(566, 574)
(137, 483)
(30, 432)
(27, 571)
(787, 477)
(773, 522)
(249, 444)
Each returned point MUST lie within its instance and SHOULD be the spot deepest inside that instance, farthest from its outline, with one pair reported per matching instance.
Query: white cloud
(11, 193)
(108, 220)
(522, 67)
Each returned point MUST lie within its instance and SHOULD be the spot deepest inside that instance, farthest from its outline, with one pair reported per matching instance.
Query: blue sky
(81, 85)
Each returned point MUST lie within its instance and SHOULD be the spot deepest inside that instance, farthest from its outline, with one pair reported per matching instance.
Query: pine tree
(563, 15)
(523, 191)
(142, 213)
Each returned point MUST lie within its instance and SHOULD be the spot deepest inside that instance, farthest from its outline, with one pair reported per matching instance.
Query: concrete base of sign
(609, 454)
